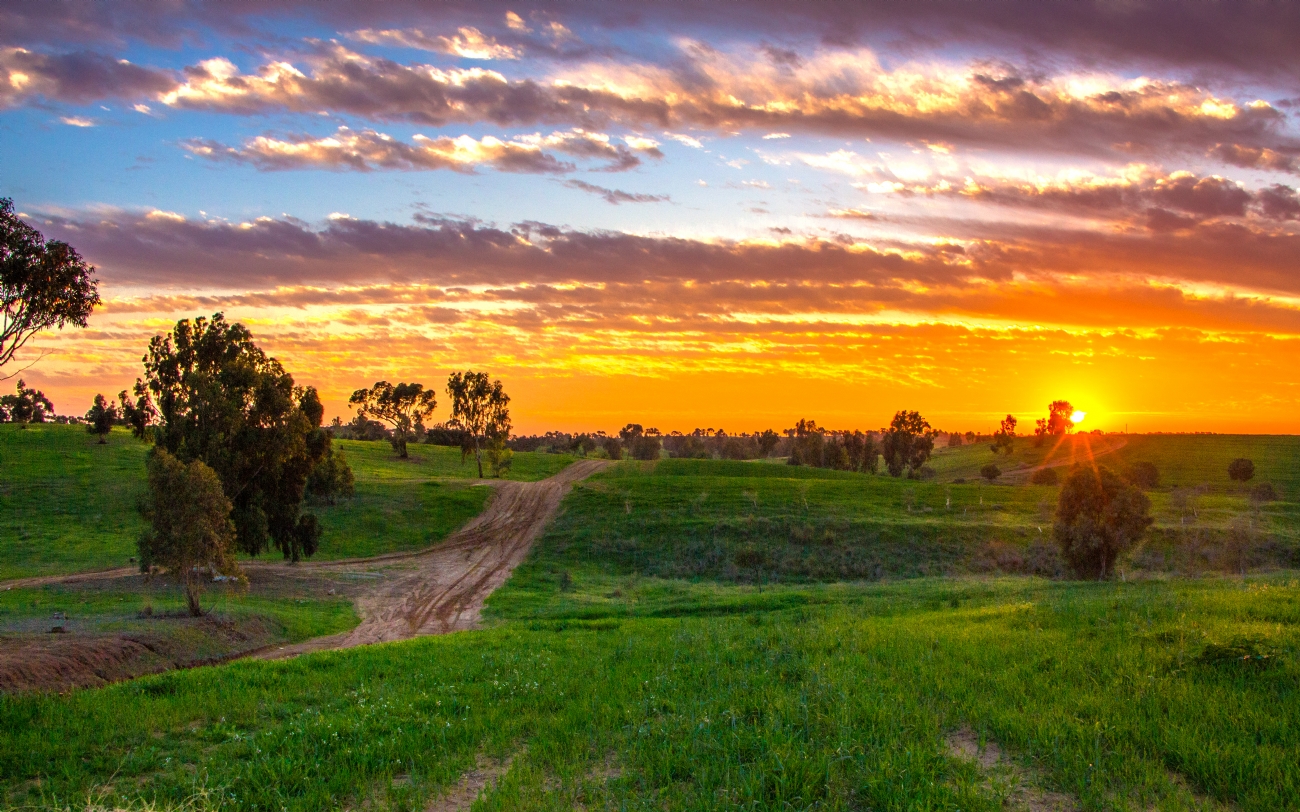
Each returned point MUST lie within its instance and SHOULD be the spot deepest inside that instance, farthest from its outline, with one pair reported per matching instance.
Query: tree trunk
(478, 458)
(192, 594)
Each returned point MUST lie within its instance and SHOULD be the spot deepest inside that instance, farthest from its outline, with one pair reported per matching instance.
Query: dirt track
(442, 589)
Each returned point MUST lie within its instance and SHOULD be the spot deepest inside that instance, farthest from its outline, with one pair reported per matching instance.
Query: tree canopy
(190, 533)
(481, 409)
(1005, 437)
(404, 407)
(1239, 470)
(100, 418)
(43, 284)
(220, 399)
(907, 444)
(1099, 517)
(25, 405)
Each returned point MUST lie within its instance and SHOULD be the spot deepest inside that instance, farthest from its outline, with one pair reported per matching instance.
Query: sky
(727, 215)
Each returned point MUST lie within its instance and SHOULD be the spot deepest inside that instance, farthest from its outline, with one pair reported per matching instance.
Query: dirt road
(442, 589)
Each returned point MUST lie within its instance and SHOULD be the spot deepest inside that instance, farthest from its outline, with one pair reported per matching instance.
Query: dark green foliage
(1144, 475)
(1099, 517)
(908, 443)
(767, 442)
(1005, 437)
(190, 533)
(1044, 476)
(25, 405)
(43, 284)
(645, 445)
(1241, 470)
(404, 407)
(137, 411)
(481, 409)
(613, 448)
(331, 478)
(954, 440)
(100, 418)
(990, 472)
(220, 399)
(807, 442)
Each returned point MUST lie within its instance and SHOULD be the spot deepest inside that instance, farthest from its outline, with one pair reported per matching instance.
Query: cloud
(1256, 158)
(75, 77)
(614, 196)
(367, 150)
(77, 121)
(468, 42)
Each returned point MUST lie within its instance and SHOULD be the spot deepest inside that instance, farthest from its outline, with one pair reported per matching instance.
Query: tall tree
(139, 413)
(1058, 417)
(43, 284)
(907, 444)
(1099, 517)
(26, 405)
(100, 418)
(220, 399)
(190, 532)
(403, 407)
(482, 410)
(1005, 437)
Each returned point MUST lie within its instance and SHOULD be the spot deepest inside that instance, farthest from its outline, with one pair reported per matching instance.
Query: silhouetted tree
(403, 407)
(1005, 437)
(1099, 517)
(954, 440)
(1058, 417)
(100, 418)
(221, 400)
(138, 413)
(807, 440)
(331, 478)
(27, 405)
(907, 444)
(767, 442)
(190, 532)
(43, 284)
(481, 408)
(640, 444)
(990, 472)
(1239, 470)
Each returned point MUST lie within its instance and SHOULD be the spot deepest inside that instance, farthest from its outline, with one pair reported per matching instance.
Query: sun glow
(1078, 417)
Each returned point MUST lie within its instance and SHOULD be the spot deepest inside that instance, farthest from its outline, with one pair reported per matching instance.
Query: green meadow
(68, 504)
(713, 635)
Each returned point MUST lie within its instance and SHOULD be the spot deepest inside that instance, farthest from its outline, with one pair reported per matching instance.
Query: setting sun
(1078, 417)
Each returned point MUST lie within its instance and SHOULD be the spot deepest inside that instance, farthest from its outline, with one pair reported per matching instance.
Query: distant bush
(1241, 470)
(1143, 474)
(924, 472)
(954, 440)
(1099, 517)
(1044, 476)
(1263, 492)
(990, 472)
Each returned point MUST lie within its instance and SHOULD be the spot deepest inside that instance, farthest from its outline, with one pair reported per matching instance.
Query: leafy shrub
(1099, 517)
(1044, 476)
(1241, 470)
(1143, 474)
(990, 472)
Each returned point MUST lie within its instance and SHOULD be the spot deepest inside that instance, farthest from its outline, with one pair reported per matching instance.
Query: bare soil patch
(462, 796)
(1025, 786)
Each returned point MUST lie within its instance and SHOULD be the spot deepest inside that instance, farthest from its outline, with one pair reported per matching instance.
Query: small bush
(1241, 470)
(1044, 476)
(990, 472)
(1143, 474)
(1263, 492)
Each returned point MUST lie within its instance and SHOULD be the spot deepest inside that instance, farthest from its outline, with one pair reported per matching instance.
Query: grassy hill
(67, 504)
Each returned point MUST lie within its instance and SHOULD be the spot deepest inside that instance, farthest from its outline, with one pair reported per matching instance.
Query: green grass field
(1124, 696)
(67, 504)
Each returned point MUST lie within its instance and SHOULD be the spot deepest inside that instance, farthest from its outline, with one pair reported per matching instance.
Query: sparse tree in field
(500, 458)
(970, 437)
(990, 472)
(481, 408)
(403, 407)
(223, 401)
(907, 444)
(43, 284)
(26, 405)
(954, 440)
(190, 532)
(1044, 476)
(767, 442)
(1005, 437)
(139, 413)
(1040, 432)
(1145, 475)
(1099, 517)
(1058, 417)
(100, 418)
(1241, 470)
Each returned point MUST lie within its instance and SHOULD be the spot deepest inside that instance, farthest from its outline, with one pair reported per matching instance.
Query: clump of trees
(641, 443)
(403, 406)
(25, 406)
(217, 398)
(43, 284)
(907, 444)
(1100, 516)
(1056, 423)
(481, 409)
(190, 533)
(101, 417)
